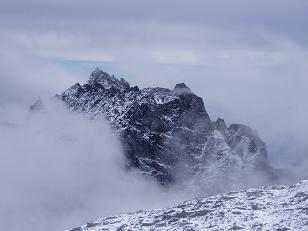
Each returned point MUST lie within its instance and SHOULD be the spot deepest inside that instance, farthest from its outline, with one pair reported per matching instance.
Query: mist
(59, 170)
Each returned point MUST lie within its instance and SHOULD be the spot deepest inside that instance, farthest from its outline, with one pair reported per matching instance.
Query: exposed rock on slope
(38, 105)
(271, 208)
(168, 134)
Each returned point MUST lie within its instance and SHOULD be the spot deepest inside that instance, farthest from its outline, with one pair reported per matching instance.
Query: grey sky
(139, 20)
(279, 15)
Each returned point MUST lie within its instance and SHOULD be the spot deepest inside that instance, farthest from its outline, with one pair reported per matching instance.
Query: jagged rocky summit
(168, 134)
(271, 208)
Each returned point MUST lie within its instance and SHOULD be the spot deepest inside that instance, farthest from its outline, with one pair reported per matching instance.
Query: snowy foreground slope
(270, 208)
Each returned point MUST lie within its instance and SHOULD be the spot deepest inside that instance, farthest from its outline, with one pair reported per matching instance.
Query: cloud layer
(59, 170)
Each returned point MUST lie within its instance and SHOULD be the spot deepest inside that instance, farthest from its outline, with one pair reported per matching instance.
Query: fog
(59, 170)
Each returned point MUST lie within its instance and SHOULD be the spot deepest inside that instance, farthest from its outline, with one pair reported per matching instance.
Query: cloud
(240, 17)
(59, 170)
(61, 47)
(75, 55)
(175, 57)
(24, 77)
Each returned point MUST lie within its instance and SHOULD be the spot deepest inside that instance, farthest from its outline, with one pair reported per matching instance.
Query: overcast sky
(247, 59)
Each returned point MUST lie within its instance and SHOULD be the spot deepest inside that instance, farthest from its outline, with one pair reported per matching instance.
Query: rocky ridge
(270, 208)
(168, 134)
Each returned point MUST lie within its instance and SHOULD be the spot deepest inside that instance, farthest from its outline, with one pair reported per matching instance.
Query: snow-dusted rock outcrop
(271, 208)
(168, 134)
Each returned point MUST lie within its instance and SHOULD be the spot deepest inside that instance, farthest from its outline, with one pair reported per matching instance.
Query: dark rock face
(166, 133)
(38, 105)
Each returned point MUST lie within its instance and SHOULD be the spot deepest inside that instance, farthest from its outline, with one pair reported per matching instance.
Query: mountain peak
(153, 121)
(106, 80)
(97, 71)
(181, 89)
(180, 86)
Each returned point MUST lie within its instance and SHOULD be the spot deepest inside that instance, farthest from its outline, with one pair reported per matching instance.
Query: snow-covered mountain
(169, 135)
(271, 208)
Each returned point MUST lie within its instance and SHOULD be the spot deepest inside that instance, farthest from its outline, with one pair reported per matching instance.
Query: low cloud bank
(59, 170)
